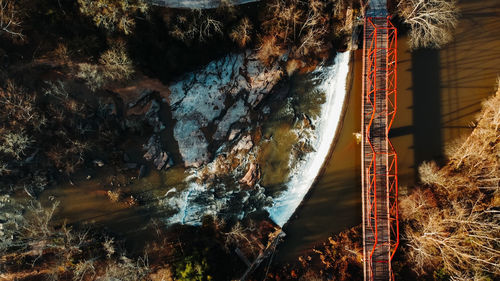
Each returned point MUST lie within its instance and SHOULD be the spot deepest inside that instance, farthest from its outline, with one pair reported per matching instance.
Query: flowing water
(332, 83)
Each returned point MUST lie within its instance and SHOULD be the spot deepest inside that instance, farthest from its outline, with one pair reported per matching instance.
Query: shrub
(15, 144)
(117, 64)
(10, 23)
(195, 26)
(113, 14)
(301, 25)
(114, 65)
(241, 34)
(432, 21)
(193, 267)
(91, 74)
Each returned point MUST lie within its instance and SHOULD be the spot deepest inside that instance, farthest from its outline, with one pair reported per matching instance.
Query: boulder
(244, 144)
(233, 134)
(143, 98)
(252, 175)
(154, 152)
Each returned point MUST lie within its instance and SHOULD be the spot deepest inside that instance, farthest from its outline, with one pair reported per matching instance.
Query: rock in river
(154, 152)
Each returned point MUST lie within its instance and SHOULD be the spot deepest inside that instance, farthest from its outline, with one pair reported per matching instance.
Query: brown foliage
(300, 25)
(241, 34)
(455, 224)
(195, 25)
(338, 258)
(113, 14)
(269, 51)
(10, 22)
(114, 65)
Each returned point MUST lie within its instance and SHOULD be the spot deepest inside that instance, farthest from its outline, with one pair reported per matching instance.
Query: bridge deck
(379, 177)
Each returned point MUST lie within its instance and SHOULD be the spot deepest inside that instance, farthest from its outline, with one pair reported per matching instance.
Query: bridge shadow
(427, 115)
(442, 90)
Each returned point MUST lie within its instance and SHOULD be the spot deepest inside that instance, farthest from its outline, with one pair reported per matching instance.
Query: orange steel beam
(384, 31)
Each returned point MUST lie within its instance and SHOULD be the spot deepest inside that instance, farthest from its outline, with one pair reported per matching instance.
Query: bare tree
(195, 25)
(10, 23)
(241, 34)
(113, 14)
(301, 25)
(457, 237)
(432, 21)
(116, 62)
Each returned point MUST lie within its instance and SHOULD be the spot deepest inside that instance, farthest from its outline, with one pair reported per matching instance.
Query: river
(439, 94)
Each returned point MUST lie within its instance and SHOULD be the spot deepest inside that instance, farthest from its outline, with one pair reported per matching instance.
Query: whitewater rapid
(333, 83)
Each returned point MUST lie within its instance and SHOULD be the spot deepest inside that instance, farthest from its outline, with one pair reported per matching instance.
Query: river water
(439, 94)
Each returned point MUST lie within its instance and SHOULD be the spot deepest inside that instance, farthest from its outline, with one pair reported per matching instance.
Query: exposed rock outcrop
(147, 105)
(153, 117)
(236, 112)
(199, 99)
(228, 160)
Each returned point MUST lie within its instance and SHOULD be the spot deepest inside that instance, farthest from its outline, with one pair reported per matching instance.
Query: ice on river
(333, 83)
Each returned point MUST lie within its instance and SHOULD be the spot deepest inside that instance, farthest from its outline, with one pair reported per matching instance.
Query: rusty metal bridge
(379, 174)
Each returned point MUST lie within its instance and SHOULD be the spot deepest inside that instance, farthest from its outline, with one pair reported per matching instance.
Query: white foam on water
(334, 79)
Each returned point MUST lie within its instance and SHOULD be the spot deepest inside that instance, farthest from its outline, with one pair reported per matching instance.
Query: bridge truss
(379, 174)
